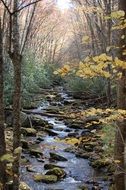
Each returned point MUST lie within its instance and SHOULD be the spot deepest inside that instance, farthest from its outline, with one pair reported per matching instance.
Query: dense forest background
(80, 49)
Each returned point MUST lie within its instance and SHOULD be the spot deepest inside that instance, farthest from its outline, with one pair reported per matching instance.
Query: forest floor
(62, 149)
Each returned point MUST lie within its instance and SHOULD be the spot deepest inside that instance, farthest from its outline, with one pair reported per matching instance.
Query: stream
(78, 170)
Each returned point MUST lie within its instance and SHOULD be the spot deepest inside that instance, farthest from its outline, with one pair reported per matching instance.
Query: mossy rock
(45, 178)
(57, 157)
(24, 186)
(100, 163)
(24, 161)
(30, 169)
(51, 166)
(36, 152)
(50, 132)
(38, 121)
(28, 131)
(60, 173)
(83, 187)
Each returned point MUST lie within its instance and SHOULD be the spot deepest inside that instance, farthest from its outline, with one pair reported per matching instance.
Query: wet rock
(30, 169)
(96, 188)
(36, 152)
(70, 149)
(40, 139)
(51, 166)
(60, 173)
(24, 144)
(111, 168)
(82, 155)
(67, 130)
(100, 163)
(51, 132)
(74, 125)
(59, 129)
(24, 160)
(38, 121)
(85, 132)
(24, 119)
(24, 186)
(88, 147)
(40, 160)
(45, 178)
(73, 134)
(28, 131)
(83, 187)
(37, 142)
(50, 97)
(52, 109)
(57, 157)
(69, 101)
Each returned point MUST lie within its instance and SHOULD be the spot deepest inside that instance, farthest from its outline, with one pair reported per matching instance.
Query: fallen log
(47, 114)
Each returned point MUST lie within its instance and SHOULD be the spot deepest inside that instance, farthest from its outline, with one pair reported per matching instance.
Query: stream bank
(51, 143)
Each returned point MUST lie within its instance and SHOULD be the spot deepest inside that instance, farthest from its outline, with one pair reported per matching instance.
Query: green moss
(36, 152)
(60, 173)
(45, 178)
(108, 139)
(29, 131)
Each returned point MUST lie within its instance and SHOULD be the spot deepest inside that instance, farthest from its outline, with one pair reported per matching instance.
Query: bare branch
(7, 8)
(29, 4)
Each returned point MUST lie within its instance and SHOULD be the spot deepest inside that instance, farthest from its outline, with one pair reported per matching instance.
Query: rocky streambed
(58, 153)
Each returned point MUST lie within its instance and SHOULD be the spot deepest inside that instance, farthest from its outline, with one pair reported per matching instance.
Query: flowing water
(78, 169)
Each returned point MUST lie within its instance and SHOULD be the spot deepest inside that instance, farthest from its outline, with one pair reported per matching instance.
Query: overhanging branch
(29, 4)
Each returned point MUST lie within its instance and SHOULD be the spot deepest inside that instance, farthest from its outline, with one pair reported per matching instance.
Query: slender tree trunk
(16, 120)
(109, 27)
(2, 131)
(121, 125)
(16, 60)
(119, 155)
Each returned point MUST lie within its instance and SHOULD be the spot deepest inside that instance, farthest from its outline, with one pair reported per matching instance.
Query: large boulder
(51, 166)
(25, 121)
(28, 131)
(36, 152)
(57, 157)
(38, 121)
(45, 178)
(60, 173)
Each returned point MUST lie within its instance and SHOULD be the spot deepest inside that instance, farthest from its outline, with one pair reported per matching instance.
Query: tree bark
(121, 103)
(16, 60)
(2, 130)
(16, 120)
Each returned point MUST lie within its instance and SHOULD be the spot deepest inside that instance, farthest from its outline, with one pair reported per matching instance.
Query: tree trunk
(16, 120)
(121, 103)
(16, 60)
(119, 155)
(2, 131)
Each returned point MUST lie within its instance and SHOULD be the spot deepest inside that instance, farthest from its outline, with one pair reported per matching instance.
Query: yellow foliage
(85, 39)
(96, 66)
(71, 141)
(63, 71)
(7, 157)
(117, 14)
(120, 63)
